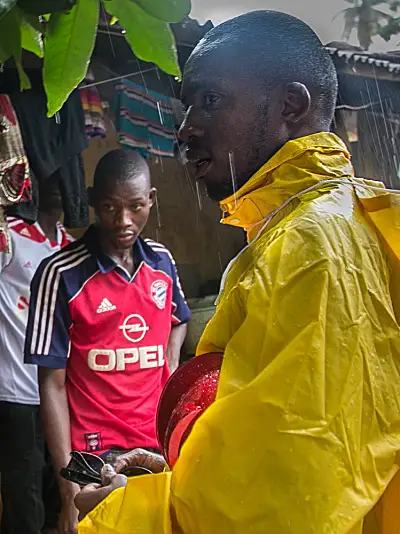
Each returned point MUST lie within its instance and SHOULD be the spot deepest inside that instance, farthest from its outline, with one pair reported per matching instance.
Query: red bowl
(186, 395)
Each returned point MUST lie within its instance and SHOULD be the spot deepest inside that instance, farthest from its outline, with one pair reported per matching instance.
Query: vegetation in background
(369, 19)
(63, 33)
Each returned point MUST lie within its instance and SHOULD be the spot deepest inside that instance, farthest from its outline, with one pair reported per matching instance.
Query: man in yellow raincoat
(304, 436)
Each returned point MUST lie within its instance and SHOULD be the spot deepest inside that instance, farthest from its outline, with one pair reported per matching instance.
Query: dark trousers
(21, 467)
(51, 494)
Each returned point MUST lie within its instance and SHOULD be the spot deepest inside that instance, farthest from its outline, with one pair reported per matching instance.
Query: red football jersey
(110, 331)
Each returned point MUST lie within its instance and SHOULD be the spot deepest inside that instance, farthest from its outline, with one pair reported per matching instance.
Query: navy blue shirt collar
(142, 252)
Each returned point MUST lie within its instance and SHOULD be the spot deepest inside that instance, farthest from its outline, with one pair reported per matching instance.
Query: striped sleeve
(180, 310)
(47, 337)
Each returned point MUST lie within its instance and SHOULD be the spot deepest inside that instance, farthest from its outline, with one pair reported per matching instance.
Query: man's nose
(124, 217)
(188, 129)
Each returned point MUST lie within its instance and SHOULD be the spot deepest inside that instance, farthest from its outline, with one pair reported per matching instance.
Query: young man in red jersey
(106, 324)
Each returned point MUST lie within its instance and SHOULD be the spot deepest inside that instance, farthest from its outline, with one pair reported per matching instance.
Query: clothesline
(116, 78)
(144, 119)
(356, 108)
(136, 73)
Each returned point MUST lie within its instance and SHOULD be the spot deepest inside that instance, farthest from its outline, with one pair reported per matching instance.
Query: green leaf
(41, 7)
(69, 43)
(5, 6)
(10, 44)
(390, 29)
(150, 39)
(33, 20)
(10, 36)
(24, 81)
(166, 10)
(31, 39)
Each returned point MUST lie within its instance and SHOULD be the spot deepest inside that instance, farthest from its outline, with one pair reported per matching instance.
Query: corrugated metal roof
(390, 62)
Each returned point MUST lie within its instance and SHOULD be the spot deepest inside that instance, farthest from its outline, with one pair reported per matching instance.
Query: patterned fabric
(93, 110)
(145, 120)
(15, 185)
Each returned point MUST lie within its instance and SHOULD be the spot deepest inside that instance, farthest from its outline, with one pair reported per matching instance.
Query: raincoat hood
(298, 166)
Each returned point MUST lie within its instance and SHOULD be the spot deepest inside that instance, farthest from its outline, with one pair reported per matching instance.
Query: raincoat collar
(299, 164)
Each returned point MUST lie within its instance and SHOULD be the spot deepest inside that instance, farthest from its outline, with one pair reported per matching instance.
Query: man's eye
(136, 207)
(210, 99)
(108, 207)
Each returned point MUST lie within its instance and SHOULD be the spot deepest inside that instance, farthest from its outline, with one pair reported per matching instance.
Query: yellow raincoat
(304, 436)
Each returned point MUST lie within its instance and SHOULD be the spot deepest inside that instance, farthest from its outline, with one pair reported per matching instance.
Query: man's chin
(216, 192)
(120, 244)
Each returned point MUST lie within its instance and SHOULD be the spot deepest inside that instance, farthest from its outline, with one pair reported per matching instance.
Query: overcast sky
(319, 14)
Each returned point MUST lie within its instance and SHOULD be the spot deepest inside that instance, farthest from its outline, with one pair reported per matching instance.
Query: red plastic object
(177, 437)
(186, 395)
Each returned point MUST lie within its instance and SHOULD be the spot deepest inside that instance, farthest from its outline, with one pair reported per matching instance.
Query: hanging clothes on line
(95, 125)
(145, 120)
(54, 146)
(15, 185)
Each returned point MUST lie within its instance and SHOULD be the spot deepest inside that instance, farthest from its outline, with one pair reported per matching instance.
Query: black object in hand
(85, 468)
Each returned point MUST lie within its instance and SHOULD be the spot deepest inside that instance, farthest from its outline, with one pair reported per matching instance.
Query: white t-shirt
(29, 246)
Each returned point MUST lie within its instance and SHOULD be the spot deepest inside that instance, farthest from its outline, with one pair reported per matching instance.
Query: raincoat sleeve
(304, 433)
(142, 507)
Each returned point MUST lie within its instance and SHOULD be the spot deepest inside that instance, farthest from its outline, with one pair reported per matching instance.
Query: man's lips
(125, 236)
(201, 164)
(201, 168)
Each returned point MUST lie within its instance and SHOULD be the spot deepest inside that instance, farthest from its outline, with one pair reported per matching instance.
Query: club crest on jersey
(158, 292)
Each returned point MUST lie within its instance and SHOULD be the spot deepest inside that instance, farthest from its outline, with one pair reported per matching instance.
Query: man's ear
(297, 102)
(152, 196)
(90, 195)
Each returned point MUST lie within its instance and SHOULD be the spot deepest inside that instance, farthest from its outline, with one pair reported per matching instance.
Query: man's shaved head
(277, 49)
(252, 84)
(120, 166)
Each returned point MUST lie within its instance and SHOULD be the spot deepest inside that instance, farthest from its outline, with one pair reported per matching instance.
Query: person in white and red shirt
(21, 443)
(106, 324)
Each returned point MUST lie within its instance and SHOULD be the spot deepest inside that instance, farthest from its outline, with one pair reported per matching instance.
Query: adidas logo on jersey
(106, 306)
(25, 232)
